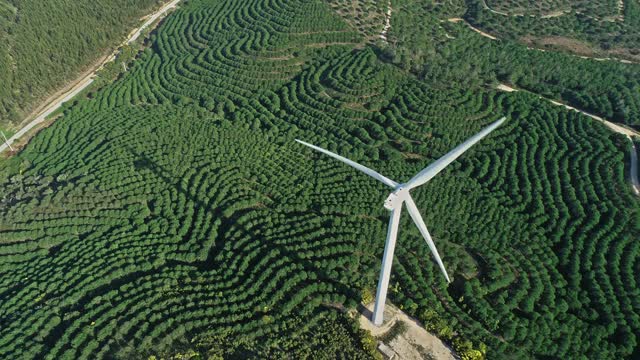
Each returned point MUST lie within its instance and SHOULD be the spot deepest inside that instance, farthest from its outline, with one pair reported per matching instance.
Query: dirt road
(387, 23)
(455, 20)
(611, 125)
(486, 6)
(630, 133)
(151, 19)
(620, 10)
(87, 80)
(634, 167)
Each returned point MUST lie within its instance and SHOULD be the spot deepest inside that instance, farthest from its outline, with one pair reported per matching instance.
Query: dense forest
(440, 52)
(43, 44)
(172, 211)
(590, 27)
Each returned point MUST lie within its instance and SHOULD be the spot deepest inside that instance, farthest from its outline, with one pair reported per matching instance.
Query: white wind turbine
(394, 203)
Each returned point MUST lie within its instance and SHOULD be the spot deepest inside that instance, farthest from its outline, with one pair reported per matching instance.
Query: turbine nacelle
(395, 199)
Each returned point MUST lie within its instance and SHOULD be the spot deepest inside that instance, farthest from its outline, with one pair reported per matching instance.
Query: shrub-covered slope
(173, 210)
(43, 44)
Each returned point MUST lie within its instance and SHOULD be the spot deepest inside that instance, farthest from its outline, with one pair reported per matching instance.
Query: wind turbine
(400, 196)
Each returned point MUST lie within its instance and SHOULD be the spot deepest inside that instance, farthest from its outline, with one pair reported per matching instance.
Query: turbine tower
(394, 202)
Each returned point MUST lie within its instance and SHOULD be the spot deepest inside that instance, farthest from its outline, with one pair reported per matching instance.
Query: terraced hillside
(172, 211)
(435, 44)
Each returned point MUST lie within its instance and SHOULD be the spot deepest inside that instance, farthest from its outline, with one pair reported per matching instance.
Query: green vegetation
(171, 212)
(463, 347)
(440, 53)
(589, 27)
(398, 329)
(529, 7)
(367, 16)
(43, 44)
(606, 9)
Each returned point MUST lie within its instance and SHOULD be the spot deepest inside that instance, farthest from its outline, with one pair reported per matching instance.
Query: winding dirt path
(486, 6)
(86, 79)
(554, 14)
(387, 22)
(620, 10)
(611, 125)
(150, 20)
(455, 20)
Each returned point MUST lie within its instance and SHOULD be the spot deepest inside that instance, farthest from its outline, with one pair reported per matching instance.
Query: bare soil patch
(627, 54)
(505, 87)
(405, 336)
(561, 43)
(554, 14)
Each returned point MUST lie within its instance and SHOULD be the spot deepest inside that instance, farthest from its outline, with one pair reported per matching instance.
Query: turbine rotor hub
(396, 198)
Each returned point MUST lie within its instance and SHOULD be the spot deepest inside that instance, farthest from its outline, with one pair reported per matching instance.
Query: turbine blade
(432, 170)
(354, 164)
(417, 219)
(387, 262)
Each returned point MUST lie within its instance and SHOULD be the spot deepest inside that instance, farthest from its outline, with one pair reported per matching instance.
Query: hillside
(44, 44)
(441, 51)
(602, 28)
(172, 213)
